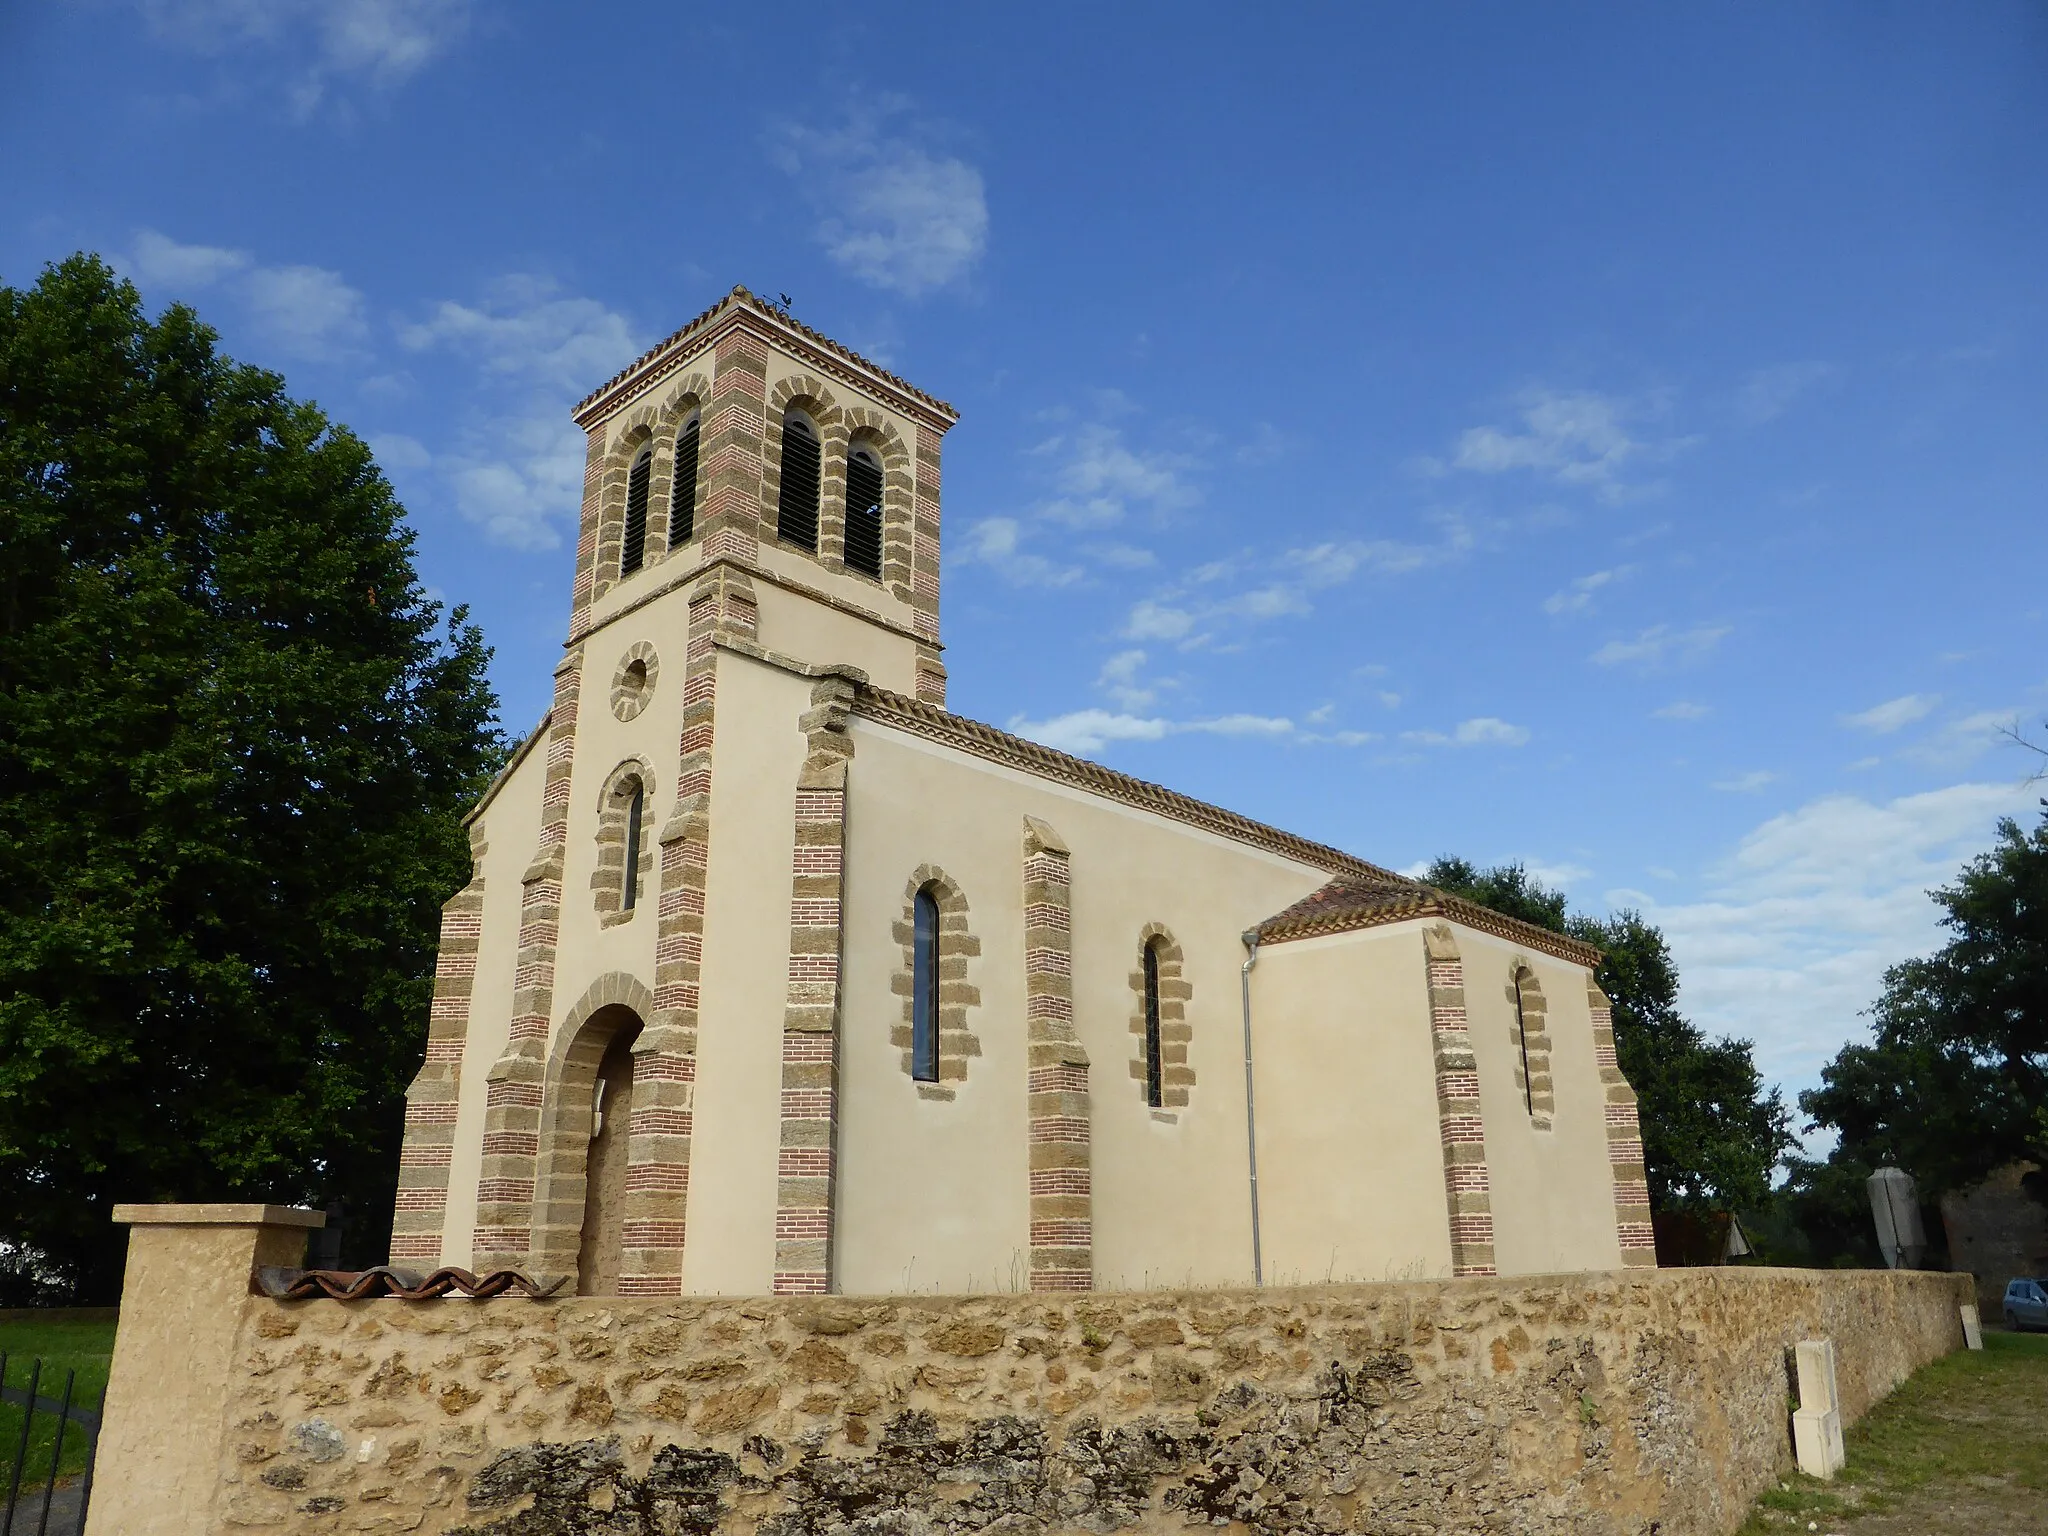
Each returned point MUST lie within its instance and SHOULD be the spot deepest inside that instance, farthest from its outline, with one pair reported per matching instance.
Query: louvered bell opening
(634, 553)
(682, 501)
(796, 513)
(864, 515)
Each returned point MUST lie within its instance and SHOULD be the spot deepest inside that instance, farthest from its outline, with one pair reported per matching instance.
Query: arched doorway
(601, 1247)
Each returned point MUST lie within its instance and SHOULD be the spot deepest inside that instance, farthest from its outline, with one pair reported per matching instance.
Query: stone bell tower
(782, 436)
(750, 487)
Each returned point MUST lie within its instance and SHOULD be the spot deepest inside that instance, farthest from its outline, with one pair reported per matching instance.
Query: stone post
(181, 1306)
(1817, 1426)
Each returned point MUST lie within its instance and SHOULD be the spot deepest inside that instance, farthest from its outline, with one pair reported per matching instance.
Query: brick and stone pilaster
(923, 584)
(730, 521)
(1624, 1141)
(1468, 1196)
(586, 534)
(430, 1103)
(1060, 1124)
(806, 1170)
(513, 1090)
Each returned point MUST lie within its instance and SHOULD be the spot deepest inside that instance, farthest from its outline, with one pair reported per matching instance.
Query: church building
(774, 975)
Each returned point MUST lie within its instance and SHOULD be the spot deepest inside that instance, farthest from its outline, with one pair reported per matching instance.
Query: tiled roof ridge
(996, 745)
(1325, 912)
(741, 295)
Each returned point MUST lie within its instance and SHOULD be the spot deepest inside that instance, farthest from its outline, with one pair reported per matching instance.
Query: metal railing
(55, 1510)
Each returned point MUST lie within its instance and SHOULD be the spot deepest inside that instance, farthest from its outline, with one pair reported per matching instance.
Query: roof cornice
(1413, 901)
(742, 311)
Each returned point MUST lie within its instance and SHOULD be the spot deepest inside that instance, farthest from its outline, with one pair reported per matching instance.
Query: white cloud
(1681, 709)
(1790, 942)
(385, 42)
(1961, 741)
(1126, 557)
(1098, 479)
(1578, 597)
(1559, 877)
(1485, 731)
(893, 213)
(1087, 731)
(517, 470)
(158, 259)
(1576, 438)
(1121, 678)
(1746, 783)
(1769, 392)
(1894, 714)
(300, 310)
(1661, 644)
(396, 451)
(997, 542)
(307, 310)
(1100, 476)
(1151, 620)
(1286, 586)
(528, 331)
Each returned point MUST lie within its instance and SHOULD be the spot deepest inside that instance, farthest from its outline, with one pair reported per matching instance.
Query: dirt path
(1961, 1448)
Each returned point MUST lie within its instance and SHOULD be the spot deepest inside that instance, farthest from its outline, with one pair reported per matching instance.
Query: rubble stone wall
(1627, 1402)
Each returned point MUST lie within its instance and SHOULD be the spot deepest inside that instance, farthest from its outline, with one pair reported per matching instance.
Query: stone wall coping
(225, 1214)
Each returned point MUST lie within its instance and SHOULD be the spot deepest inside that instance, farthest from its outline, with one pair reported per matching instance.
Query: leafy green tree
(1954, 1082)
(1712, 1131)
(236, 743)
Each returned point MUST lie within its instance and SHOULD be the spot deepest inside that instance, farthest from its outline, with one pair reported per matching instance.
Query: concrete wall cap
(222, 1215)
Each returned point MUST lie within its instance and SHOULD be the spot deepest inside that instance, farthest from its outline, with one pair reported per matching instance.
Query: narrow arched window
(1522, 1039)
(633, 552)
(864, 512)
(1155, 1064)
(796, 512)
(682, 497)
(636, 807)
(924, 988)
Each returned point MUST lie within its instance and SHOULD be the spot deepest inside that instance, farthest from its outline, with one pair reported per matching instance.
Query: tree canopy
(1954, 1082)
(1712, 1131)
(236, 744)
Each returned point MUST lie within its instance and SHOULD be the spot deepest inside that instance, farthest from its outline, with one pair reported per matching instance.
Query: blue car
(2026, 1304)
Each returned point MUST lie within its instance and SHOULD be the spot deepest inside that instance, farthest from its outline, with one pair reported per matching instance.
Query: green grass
(1963, 1446)
(84, 1345)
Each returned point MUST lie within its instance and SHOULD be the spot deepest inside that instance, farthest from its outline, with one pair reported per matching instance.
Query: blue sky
(1589, 435)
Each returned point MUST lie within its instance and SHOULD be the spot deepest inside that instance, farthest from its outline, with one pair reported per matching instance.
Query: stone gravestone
(1817, 1426)
(1973, 1328)
(1895, 1207)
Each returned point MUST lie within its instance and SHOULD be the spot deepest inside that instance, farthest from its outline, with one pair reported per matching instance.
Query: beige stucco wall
(588, 947)
(1350, 1160)
(737, 1127)
(511, 835)
(1602, 1404)
(933, 1193)
(1553, 1191)
(937, 1192)
(797, 625)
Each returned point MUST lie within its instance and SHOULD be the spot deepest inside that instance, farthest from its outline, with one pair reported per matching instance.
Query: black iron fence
(45, 1495)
